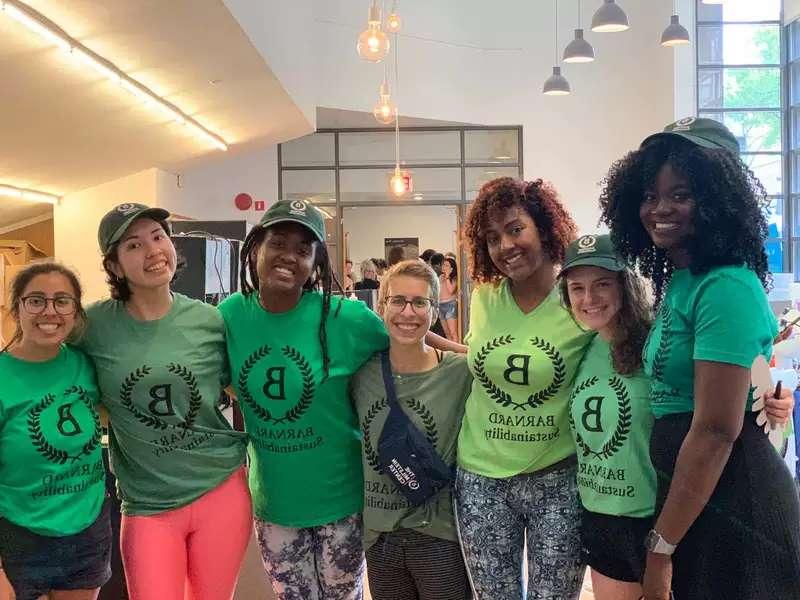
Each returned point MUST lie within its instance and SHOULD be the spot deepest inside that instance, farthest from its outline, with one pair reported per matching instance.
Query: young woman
(516, 457)
(293, 348)
(448, 300)
(161, 365)
(727, 516)
(412, 552)
(55, 535)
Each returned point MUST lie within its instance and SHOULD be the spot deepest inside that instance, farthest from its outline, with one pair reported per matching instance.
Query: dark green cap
(116, 222)
(594, 251)
(707, 133)
(296, 211)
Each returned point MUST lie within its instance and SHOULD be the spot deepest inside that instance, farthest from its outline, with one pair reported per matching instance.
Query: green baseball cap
(707, 133)
(296, 211)
(116, 222)
(594, 251)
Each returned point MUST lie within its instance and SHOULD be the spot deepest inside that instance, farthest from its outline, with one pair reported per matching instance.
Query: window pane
(738, 44)
(794, 179)
(477, 176)
(794, 84)
(774, 250)
(493, 147)
(775, 218)
(769, 170)
(795, 213)
(756, 131)
(378, 148)
(794, 40)
(315, 186)
(372, 185)
(315, 150)
(796, 259)
(758, 87)
(740, 10)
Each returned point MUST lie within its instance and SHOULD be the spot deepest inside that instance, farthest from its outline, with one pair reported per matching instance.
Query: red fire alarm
(243, 201)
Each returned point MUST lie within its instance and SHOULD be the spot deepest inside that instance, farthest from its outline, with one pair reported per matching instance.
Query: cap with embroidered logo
(296, 211)
(116, 222)
(707, 133)
(593, 251)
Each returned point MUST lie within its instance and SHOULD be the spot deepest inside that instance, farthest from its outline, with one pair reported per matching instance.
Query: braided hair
(322, 276)
(729, 220)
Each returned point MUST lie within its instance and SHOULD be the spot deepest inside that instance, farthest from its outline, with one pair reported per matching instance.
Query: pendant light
(373, 43)
(578, 50)
(397, 183)
(393, 22)
(609, 18)
(385, 109)
(675, 34)
(556, 84)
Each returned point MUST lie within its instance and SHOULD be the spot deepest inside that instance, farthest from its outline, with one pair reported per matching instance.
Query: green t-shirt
(720, 316)
(611, 424)
(517, 416)
(161, 382)
(434, 400)
(52, 479)
(305, 446)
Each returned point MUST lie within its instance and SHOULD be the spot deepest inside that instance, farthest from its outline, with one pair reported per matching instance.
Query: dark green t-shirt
(161, 382)
(52, 479)
(611, 423)
(720, 316)
(434, 401)
(305, 446)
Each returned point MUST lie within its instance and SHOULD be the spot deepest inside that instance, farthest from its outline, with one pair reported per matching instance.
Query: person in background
(448, 300)
(516, 458)
(426, 255)
(396, 255)
(691, 214)
(161, 367)
(412, 552)
(437, 258)
(55, 534)
(380, 265)
(369, 276)
(348, 275)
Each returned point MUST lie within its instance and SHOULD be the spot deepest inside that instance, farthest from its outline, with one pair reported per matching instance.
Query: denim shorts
(36, 564)
(447, 310)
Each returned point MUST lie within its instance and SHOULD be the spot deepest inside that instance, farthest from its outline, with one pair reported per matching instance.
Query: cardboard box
(20, 252)
(7, 325)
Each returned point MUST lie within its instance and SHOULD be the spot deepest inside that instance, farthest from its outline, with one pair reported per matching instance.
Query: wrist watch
(656, 544)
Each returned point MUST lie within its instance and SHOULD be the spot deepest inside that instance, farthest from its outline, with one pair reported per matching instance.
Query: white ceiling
(66, 128)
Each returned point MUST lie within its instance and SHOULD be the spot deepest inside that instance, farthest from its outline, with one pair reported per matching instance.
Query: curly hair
(632, 322)
(539, 199)
(729, 216)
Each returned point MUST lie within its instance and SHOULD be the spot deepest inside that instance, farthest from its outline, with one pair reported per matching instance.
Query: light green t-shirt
(611, 423)
(305, 448)
(161, 382)
(52, 479)
(720, 316)
(434, 401)
(517, 415)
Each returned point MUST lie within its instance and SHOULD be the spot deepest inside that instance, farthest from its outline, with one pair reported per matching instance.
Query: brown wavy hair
(632, 321)
(539, 199)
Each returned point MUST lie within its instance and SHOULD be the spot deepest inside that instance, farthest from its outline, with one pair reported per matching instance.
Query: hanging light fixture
(675, 34)
(578, 50)
(609, 18)
(385, 109)
(556, 84)
(373, 44)
(400, 181)
(393, 22)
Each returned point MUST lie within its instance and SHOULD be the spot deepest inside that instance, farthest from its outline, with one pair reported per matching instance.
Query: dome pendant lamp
(609, 18)
(578, 50)
(556, 84)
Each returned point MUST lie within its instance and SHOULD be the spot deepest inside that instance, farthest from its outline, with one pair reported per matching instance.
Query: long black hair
(729, 220)
(322, 277)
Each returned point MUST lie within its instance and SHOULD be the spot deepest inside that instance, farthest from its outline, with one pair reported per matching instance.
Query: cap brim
(604, 262)
(277, 220)
(697, 141)
(157, 214)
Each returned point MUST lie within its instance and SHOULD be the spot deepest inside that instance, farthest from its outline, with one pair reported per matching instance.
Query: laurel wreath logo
(623, 428)
(152, 421)
(39, 440)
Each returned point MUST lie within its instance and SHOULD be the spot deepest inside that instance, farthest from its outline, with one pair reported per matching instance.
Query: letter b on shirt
(517, 371)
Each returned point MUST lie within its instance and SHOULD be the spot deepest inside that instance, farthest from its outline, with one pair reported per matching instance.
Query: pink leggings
(201, 545)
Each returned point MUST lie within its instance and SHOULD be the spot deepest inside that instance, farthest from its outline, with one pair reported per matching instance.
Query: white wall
(368, 226)
(791, 10)
(76, 219)
(686, 66)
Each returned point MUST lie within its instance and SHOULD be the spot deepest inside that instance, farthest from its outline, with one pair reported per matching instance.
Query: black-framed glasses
(63, 305)
(419, 304)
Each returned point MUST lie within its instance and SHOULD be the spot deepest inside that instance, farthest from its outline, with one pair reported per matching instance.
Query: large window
(739, 72)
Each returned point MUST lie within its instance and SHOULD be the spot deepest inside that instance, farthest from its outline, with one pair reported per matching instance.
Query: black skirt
(745, 545)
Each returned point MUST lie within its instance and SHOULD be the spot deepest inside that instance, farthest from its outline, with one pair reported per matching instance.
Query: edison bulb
(384, 110)
(394, 23)
(373, 44)
(397, 184)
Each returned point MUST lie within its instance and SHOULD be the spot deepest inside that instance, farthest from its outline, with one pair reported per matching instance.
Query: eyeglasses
(419, 304)
(63, 305)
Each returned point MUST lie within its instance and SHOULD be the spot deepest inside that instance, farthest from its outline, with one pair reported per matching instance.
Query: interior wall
(791, 10)
(39, 234)
(76, 219)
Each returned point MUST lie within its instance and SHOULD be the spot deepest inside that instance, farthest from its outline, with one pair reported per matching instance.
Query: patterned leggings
(493, 517)
(314, 563)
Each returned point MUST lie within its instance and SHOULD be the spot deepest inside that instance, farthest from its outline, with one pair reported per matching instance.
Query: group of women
(580, 425)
